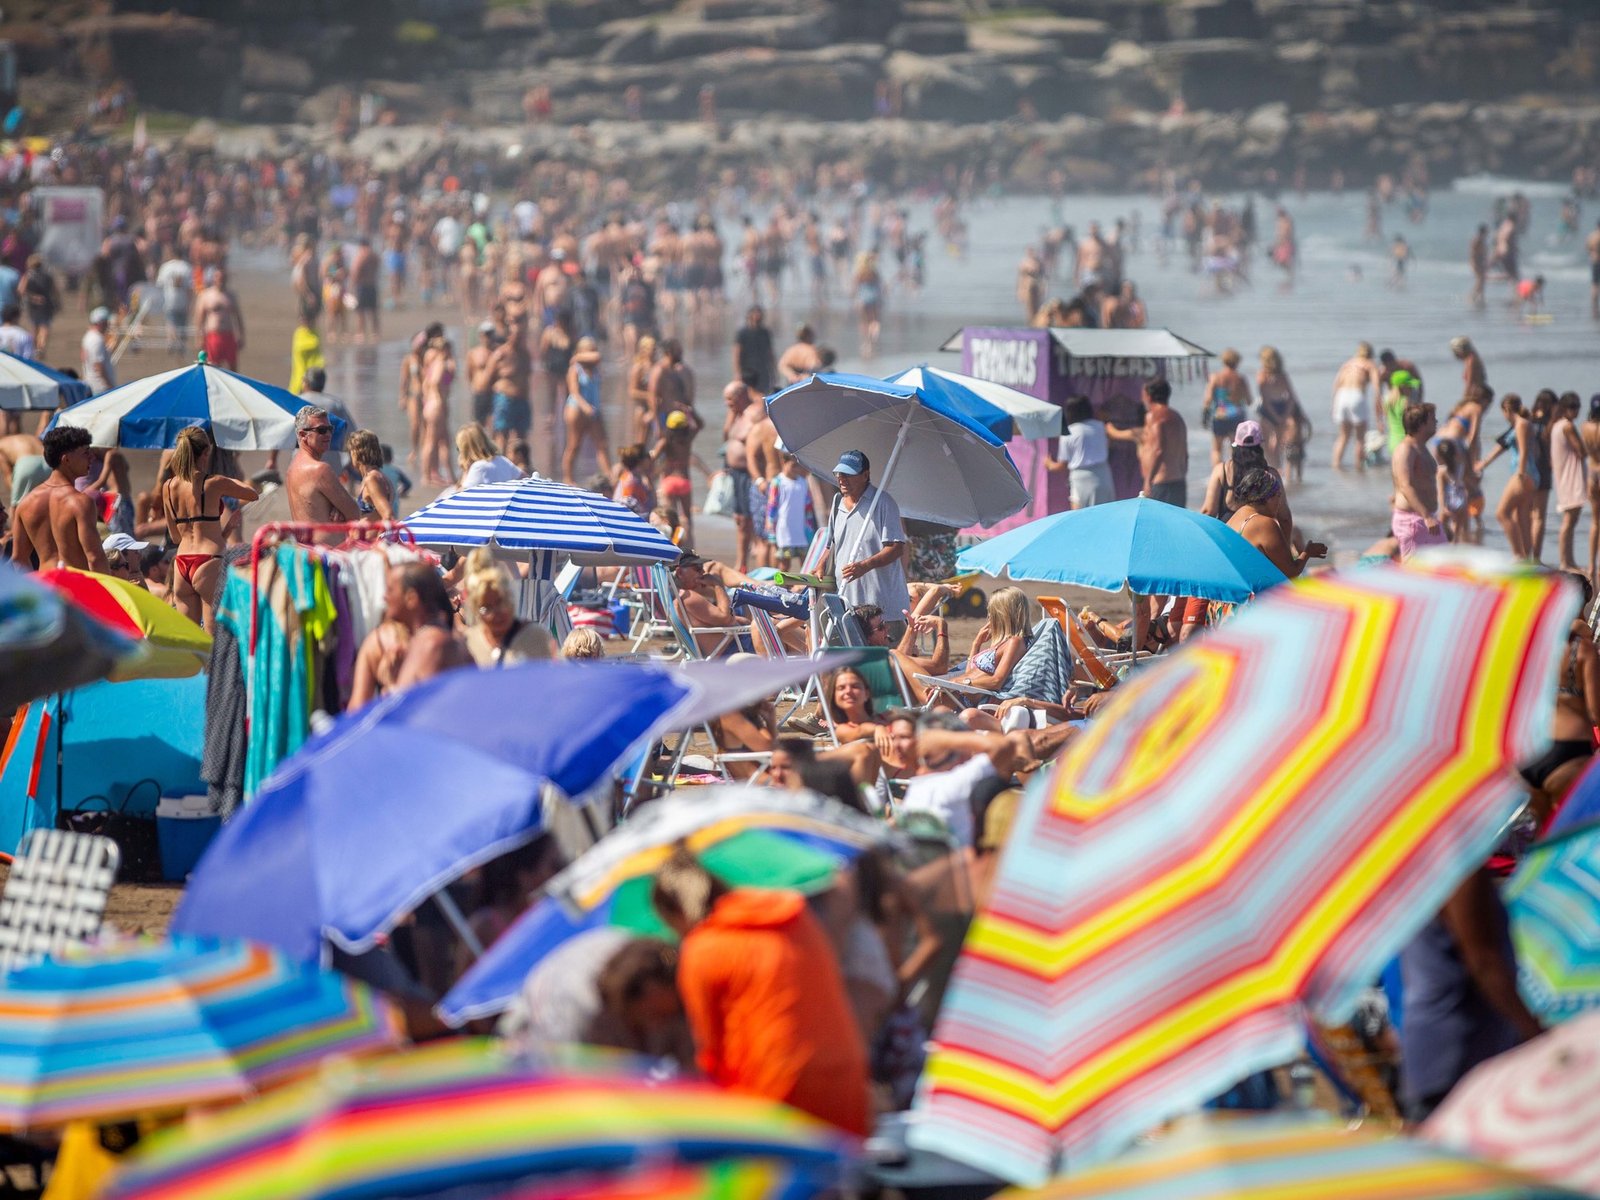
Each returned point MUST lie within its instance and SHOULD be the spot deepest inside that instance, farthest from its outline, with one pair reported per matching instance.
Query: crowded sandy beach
(520, 682)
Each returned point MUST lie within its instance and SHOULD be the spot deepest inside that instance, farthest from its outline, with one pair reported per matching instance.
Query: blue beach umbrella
(148, 414)
(28, 385)
(932, 446)
(371, 817)
(1138, 545)
(1026, 416)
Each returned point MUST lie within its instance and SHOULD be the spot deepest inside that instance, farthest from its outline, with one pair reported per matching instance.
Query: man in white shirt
(97, 370)
(869, 543)
(176, 281)
(958, 772)
(14, 339)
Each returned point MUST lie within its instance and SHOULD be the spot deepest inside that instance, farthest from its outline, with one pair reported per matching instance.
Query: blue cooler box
(185, 826)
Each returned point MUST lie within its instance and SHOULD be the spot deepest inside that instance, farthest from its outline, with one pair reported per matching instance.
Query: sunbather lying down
(703, 603)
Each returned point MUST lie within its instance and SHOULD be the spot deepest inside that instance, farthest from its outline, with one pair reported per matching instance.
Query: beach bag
(134, 835)
(719, 496)
(598, 619)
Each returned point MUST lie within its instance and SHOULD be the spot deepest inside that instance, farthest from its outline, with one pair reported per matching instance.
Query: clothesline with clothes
(289, 622)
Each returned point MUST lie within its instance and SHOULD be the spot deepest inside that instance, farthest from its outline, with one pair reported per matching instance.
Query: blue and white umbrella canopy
(539, 516)
(148, 414)
(931, 447)
(28, 385)
(1029, 417)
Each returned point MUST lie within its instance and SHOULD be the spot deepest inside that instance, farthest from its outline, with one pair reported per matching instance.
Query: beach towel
(1044, 671)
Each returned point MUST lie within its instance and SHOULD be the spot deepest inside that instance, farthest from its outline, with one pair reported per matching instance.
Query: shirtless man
(315, 494)
(511, 374)
(364, 282)
(220, 321)
(1416, 484)
(14, 447)
(1163, 443)
(762, 455)
(1030, 283)
(802, 358)
(480, 373)
(1352, 406)
(742, 410)
(55, 524)
(1592, 245)
(415, 641)
(671, 383)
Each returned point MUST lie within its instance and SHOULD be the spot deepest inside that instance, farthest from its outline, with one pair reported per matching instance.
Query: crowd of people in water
(579, 295)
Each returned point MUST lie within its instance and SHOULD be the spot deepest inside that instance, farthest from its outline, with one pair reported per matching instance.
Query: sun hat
(1247, 434)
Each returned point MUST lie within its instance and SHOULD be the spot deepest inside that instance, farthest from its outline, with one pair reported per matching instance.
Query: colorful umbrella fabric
(747, 836)
(149, 413)
(1536, 1108)
(136, 1027)
(1151, 548)
(1249, 830)
(458, 1115)
(48, 644)
(172, 646)
(1275, 1158)
(754, 1179)
(1554, 904)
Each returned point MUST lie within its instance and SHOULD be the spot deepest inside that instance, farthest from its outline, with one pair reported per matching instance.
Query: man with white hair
(315, 494)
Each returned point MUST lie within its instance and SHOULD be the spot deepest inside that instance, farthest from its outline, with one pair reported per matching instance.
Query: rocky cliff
(1110, 89)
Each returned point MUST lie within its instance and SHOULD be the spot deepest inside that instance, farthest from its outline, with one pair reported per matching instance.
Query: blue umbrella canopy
(148, 414)
(539, 515)
(25, 384)
(371, 817)
(1142, 545)
(932, 446)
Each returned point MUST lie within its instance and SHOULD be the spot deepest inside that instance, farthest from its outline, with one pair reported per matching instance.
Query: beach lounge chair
(635, 588)
(1044, 672)
(1099, 665)
(55, 895)
(684, 634)
(886, 684)
(838, 627)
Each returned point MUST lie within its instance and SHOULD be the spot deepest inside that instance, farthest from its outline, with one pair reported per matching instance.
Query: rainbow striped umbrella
(746, 1179)
(1553, 901)
(1268, 1158)
(746, 836)
(1250, 830)
(460, 1114)
(140, 1027)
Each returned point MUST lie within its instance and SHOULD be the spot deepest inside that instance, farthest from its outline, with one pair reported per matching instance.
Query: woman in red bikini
(192, 503)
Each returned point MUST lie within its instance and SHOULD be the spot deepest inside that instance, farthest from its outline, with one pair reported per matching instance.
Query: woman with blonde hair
(191, 503)
(583, 643)
(1000, 643)
(375, 495)
(867, 289)
(496, 636)
(479, 463)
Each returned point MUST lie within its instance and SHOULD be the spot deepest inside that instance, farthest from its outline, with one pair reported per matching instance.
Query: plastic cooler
(185, 826)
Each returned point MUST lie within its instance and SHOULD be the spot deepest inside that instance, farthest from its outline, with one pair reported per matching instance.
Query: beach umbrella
(1536, 1108)
(1028, 417)
(1243, 837)
(1269, 1158)
(459, 1115)
(746, 1179)
(149, 413)
(49, 645)
(746, 836)
(152, 1027)
(1553, 902)
(25, 384)
(931, 448)
(170, 645)
(371, 817)
(1138, 545)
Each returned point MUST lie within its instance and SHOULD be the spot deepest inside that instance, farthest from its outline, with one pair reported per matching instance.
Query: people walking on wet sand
(1354, 385)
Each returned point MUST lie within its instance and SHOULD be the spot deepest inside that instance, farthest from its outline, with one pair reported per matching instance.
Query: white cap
(100, 314)
(116, 543)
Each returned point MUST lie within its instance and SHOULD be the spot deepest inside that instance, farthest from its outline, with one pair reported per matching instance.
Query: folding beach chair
(1099, 666)
(55, 895)
(838, 627)
(886, 684)
(1044, 672)
(683, 633)
(636, 589)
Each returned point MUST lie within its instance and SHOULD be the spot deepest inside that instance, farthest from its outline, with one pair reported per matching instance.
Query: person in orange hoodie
(763, 994)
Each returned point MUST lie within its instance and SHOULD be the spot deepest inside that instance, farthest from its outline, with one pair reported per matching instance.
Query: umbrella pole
(881, 488)
(452, 913)
(1133, 614)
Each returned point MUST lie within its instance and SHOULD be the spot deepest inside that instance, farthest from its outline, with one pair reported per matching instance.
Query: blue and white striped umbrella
(25, 384)
(147, 414)
(537, 515)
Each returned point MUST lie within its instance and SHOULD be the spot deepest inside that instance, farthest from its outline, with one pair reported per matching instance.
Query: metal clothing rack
(274, 531)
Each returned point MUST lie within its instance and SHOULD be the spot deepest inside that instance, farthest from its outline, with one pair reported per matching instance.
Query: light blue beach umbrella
(370, 818)
(932, 446)
(28, 385)
(1138, 545)
(148, 414)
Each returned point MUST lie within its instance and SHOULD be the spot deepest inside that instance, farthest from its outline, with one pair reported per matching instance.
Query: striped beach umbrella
(1536, 1108)
(1269, 1158)
(748, 1179)
(538, 516)
(25, 384)
(1248, 832)
(1553, 901)
(457, 1115)
(148, 414)
(152, 1027)
(170, 645)
(746, 836)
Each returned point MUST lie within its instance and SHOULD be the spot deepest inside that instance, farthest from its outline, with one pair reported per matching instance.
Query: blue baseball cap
(852, 462)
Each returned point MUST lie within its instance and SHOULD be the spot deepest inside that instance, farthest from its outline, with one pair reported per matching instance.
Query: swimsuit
(188, 564)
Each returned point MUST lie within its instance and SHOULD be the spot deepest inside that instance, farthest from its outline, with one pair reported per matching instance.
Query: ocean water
(1340, 297)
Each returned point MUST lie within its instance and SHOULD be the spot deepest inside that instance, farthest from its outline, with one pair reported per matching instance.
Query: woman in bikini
(438, 377)
(375, 497)
(1577, 712)
(582, 412)
(851, 700)
(192, 503)
(1255, 520)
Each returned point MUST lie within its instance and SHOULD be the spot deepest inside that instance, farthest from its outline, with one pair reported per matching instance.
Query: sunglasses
(319, 429)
